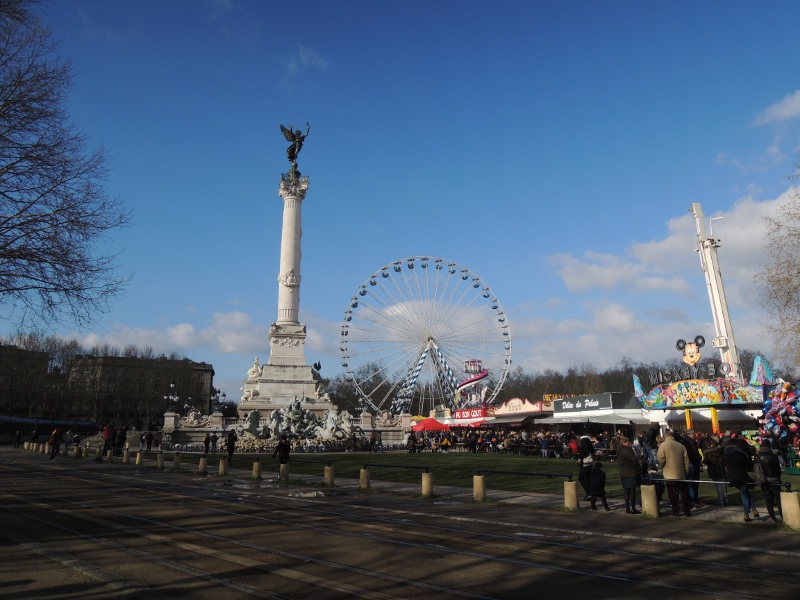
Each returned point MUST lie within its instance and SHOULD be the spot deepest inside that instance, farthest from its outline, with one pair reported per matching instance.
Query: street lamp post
(214, 399)
(171, 397)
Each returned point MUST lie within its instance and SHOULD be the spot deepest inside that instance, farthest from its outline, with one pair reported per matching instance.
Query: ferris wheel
(422, 333)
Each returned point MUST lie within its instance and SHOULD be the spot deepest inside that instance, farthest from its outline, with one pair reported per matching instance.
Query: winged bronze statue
(296, 138)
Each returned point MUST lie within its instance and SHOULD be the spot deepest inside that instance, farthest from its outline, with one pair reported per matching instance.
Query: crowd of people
(673, 462)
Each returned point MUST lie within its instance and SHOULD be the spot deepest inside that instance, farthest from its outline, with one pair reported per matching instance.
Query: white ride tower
(724, 341)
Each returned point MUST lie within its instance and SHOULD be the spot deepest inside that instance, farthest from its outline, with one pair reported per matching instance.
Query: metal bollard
(27, 445)
(284, 473)
(160, 461)
(126, 457)
(257, 469)
(138, 459)
(110, 455)
(327, 478)
(176, 461)
(479, 488)
(201, 467)
(223, 467)
(76, 452)
(363, 479)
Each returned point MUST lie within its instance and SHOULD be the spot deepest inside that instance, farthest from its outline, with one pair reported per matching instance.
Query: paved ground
(84, 529)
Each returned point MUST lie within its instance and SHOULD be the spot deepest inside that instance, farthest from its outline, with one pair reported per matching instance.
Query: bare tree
(779, 278)
(54, 208)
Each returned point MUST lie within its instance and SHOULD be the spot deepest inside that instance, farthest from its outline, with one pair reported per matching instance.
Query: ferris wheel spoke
(403, 306)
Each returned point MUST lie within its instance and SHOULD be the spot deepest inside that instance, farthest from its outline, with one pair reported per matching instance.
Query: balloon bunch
(781, 413)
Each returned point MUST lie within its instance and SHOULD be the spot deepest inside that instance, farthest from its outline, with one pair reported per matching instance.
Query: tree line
(578, 380)
(51, 376)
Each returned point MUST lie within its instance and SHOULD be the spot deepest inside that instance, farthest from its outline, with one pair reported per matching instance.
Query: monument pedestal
(277, 386)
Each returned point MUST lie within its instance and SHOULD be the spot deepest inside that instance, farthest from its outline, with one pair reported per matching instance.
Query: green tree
(54, 208)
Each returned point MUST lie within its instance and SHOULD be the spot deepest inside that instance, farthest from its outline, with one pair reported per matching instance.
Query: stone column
(293, 192)
(287, 335)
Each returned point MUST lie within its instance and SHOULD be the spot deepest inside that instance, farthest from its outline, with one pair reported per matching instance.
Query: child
(597, 485)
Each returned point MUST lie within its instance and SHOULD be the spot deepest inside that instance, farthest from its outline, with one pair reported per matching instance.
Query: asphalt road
(84, 529)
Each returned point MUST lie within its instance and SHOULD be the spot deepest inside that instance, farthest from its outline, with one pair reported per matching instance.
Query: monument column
(287, 336)
(293, 192)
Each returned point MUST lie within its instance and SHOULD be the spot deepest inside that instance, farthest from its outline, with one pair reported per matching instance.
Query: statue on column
(296, 138)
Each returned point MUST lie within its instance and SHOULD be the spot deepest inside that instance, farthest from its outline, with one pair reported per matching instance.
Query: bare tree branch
(54, 208)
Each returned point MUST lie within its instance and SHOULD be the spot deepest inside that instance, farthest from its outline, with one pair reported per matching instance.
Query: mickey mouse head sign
(691, 350)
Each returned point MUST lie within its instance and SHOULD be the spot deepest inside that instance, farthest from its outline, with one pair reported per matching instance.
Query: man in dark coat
(282, 450)
(585, 458)
(712, 458)
(771, 469)
(231, 444)
(695, 464)
(630, 471)
(737, 464)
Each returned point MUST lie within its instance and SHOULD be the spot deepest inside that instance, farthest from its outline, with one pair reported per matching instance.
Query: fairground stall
(518, 414)
(611, 410)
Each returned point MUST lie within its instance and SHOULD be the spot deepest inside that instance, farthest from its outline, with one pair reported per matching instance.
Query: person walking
(585, 459)
(214, 440)
(17, 439)
(771, 472)
(55, 439)
(206, 443)
(630, 473)
(148, 438)
(737, 464)
(108, 439)
(597, 485)
(674, 462)
(231, 444)
(282, 450)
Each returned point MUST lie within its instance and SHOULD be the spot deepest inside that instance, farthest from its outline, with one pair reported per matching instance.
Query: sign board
(480, 412)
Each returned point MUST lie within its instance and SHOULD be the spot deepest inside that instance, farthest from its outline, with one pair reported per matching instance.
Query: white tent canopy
(602, 419)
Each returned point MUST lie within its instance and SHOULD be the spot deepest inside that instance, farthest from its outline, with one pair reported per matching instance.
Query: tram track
(383, 525)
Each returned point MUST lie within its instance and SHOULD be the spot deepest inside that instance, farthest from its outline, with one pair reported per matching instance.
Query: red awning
(430, 424)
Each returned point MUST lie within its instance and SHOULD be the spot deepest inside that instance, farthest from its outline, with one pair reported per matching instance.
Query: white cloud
(593, 271)
(666, 265)
(229, 333)
(783, 110)
(305, 58)
(670, 303)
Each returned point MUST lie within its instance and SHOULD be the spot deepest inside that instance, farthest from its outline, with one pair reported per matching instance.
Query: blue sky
(554, 148)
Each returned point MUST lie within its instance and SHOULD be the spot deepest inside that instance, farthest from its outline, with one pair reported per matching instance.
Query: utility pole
(724, 342)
